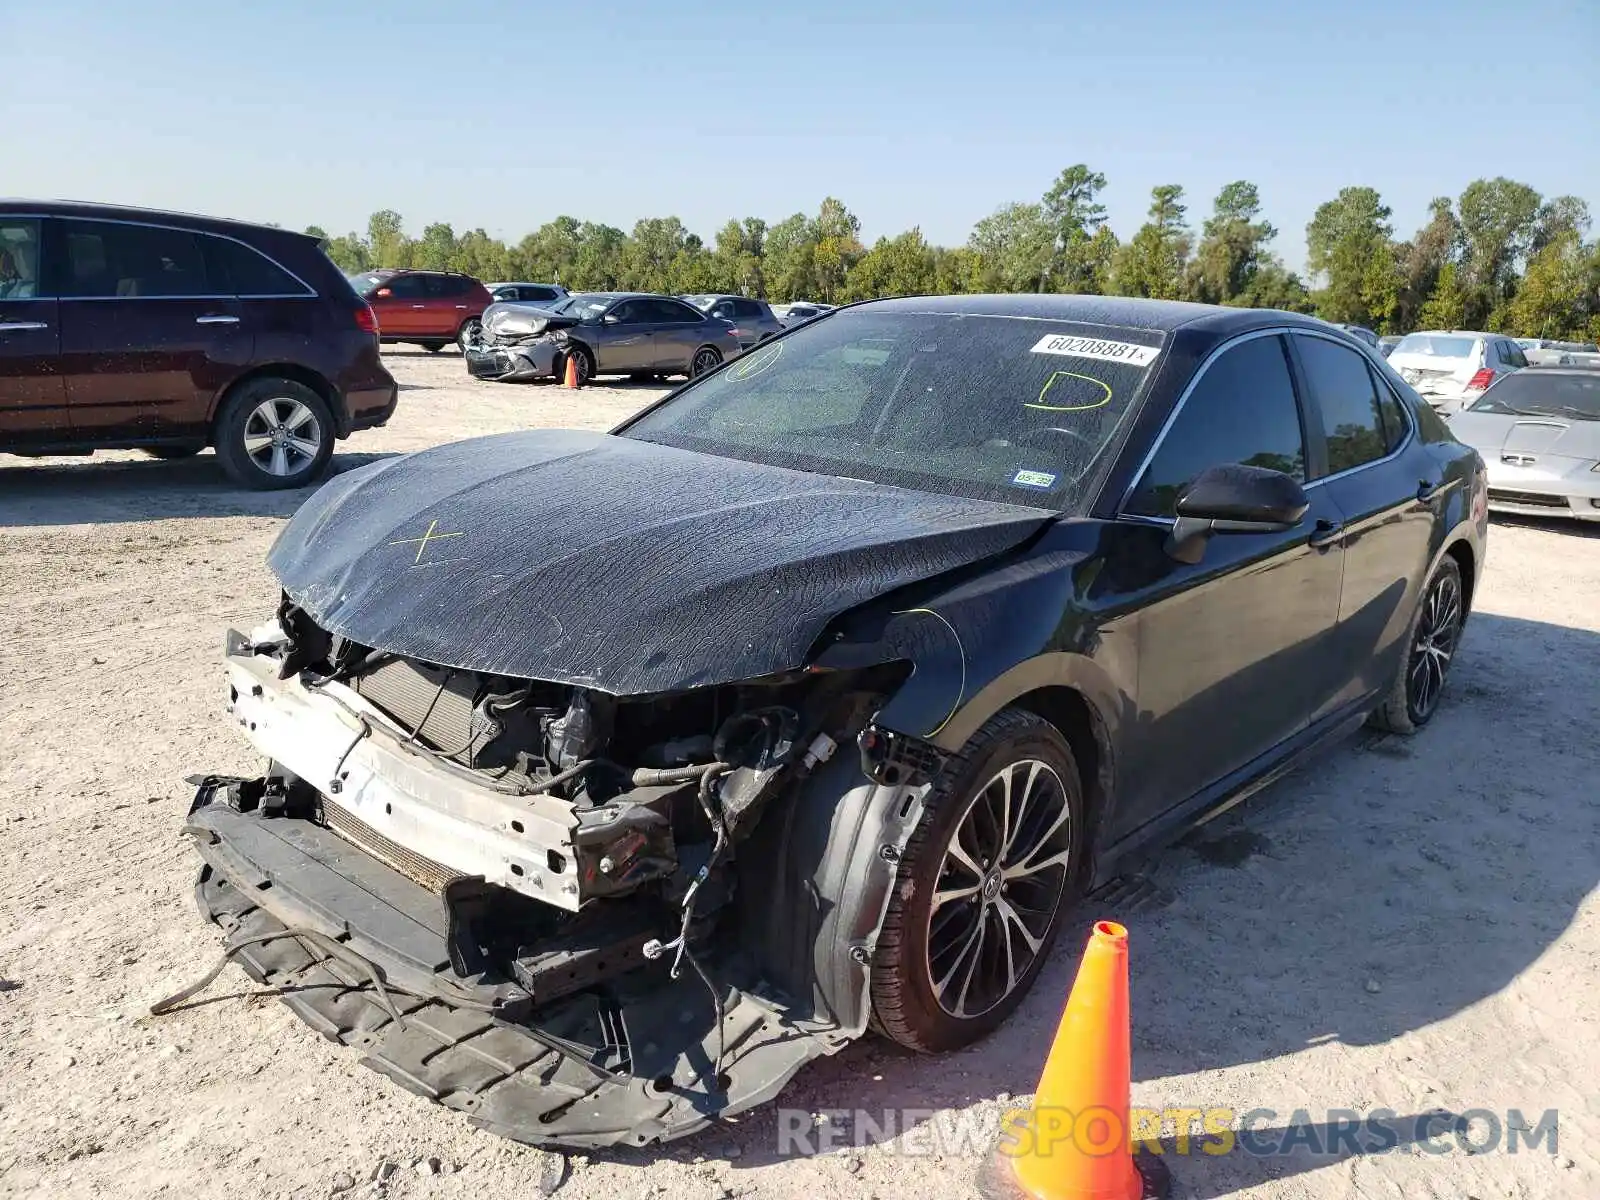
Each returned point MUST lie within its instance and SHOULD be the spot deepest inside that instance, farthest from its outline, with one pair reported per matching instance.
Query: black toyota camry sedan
(610, 777)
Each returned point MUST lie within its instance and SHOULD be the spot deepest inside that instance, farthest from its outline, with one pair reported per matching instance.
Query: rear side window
(670, 310)
(242, 271)
(1392, 412)
(106, 260)
(1511, 354)
(1343, 388)
(1242, 410)
(540, 294)
(748, 310)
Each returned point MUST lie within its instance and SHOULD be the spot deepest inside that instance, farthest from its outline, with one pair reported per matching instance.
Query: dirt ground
(1410, 925)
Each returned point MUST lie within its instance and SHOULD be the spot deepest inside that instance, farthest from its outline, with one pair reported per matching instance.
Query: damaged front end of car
(583, 919)
(519, 341)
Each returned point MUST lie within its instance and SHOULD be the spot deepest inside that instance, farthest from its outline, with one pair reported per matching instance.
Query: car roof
(1453, 333)
(1128, 312)
(124, 212)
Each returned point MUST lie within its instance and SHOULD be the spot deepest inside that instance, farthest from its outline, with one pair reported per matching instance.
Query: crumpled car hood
(614, 563)
(1491, 433)
(509, 322)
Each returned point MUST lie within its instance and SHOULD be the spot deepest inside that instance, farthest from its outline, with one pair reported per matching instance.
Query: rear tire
(1431, 641)
(982, 886)
(274, 433)
(707, 358)
(433, 347)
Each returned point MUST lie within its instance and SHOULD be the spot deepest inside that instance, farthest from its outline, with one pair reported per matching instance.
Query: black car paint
(614, 563)
(1290, 635)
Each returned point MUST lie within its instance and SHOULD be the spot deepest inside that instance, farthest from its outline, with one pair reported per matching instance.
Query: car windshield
(1436, 346)
(1545, 393)
(991, 408)
(366, 282)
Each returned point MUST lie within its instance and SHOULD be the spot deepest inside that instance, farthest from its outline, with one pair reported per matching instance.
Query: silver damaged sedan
(605, 333)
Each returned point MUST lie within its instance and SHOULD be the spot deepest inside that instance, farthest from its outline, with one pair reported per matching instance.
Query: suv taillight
(1481, 380)
(366, 319)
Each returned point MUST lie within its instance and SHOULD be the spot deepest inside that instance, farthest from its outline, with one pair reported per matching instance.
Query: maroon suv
(430, 309)
(129, 328)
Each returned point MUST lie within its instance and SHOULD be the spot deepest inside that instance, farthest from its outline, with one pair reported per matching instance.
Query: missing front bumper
(629, 1064)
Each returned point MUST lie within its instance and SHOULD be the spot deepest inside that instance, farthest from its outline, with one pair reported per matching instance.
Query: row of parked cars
(521, 330)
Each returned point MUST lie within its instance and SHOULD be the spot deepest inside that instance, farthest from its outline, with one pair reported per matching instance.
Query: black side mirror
(1234, 499)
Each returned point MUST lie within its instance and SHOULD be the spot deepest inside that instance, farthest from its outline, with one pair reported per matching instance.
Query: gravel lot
(1405, 924)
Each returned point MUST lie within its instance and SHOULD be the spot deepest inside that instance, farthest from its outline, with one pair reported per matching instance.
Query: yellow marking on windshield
(1051, 382)
(756, 362)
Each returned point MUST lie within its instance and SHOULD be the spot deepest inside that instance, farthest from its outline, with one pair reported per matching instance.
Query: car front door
(401, 306)
(33, 398)
(625, 338)
(1387, 487)
(1233, 648)
(147, 337)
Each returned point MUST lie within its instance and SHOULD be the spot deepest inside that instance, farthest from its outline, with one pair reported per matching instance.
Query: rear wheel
(433, 347)
(982, 885)
(707, 358)
(1431, 642)
(274, 433)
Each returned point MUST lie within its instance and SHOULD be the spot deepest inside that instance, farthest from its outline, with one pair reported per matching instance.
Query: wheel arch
(283, 370)
(1461, 550)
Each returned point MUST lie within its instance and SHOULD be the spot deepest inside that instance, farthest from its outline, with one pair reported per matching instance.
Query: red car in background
(430, 309)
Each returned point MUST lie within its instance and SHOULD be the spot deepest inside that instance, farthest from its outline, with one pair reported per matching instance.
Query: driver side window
(626, 313)
(1242, 410)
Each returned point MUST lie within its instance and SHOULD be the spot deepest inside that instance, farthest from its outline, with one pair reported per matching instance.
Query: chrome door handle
(1326, 533)
(10, 326)
(419, 306)
(216, 320)
(463, 306)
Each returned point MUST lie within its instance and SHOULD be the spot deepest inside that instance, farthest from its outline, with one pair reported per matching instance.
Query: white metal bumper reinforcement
(357, 758)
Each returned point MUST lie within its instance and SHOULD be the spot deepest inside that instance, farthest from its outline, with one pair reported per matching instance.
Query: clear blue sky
(504, 115)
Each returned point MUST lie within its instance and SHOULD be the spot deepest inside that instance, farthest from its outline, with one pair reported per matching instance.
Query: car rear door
(1388, 489)
(33, 397)
(449, 304)
(680, 329)
(147, 337)
(1232, 650)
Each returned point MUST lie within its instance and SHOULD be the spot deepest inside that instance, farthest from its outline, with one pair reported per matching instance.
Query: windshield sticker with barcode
(1034, 479)
(1086, 347)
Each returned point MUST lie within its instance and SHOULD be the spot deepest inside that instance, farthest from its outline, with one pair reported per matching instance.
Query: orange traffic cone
(1074, 1143)
(572, 371)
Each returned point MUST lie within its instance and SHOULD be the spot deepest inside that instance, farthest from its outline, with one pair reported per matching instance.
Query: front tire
(1430, 647)
(585, 361)
(274, 433)
(470, 334)
(432, 347)
(982, 886)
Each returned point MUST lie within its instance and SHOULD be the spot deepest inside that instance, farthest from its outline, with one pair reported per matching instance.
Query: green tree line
(1499, 256)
